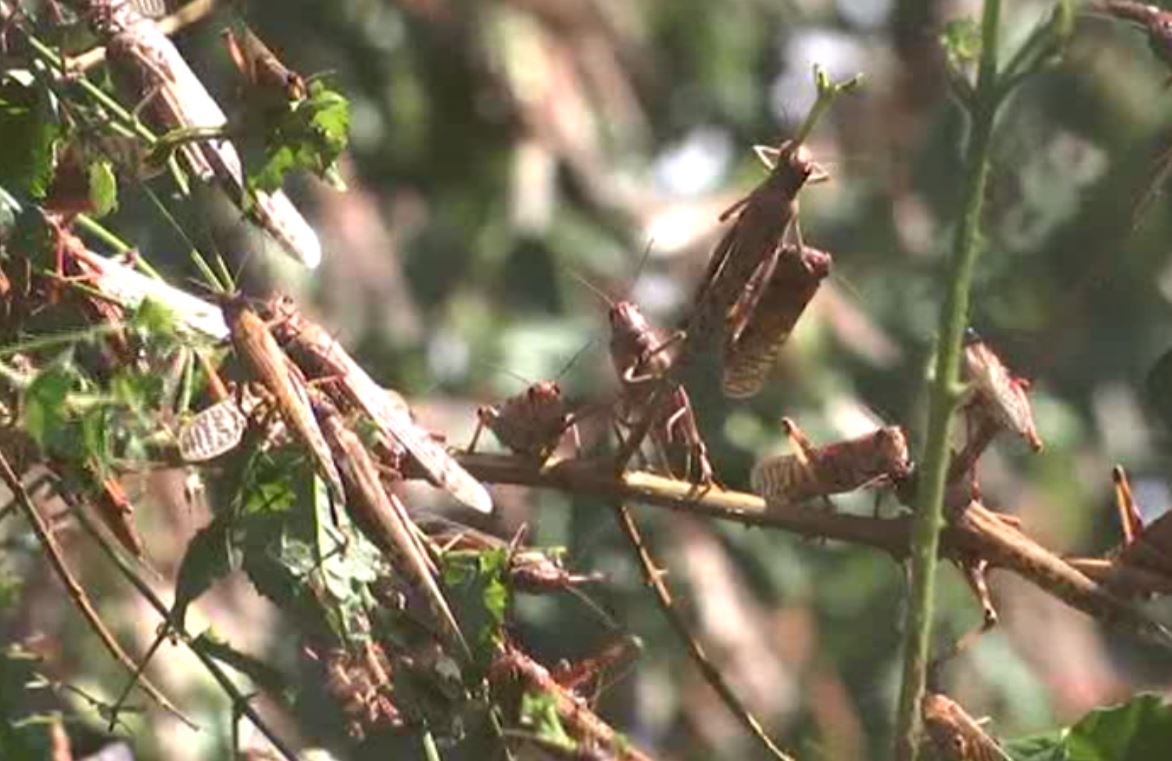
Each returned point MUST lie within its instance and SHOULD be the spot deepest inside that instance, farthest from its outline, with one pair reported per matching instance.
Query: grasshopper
(955, 734)
(881, 456)
(380, 515)
(998, 395)
(214, 431)
(324, 357)
(145, 65)
(762, 220)
(755, 338)
(530, 423)
(263, 72)
(263, 357)
(1146, 548)
(641, 355)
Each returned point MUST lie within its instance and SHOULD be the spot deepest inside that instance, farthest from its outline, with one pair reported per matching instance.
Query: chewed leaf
(310, 136)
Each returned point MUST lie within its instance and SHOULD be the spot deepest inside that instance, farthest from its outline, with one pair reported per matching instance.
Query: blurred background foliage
(500, 149)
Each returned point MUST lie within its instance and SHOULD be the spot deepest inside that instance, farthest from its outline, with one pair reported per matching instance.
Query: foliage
(1139, 729)
(508, 148)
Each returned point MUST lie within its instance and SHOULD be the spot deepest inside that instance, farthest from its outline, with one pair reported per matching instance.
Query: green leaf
(539, 711)
(1139, 730)
(45, 413)
(479, 595)
(309, 136)
(103, 188)
(962, 41)
(28, 136)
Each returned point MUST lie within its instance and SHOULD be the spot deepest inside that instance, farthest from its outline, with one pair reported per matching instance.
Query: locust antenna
(592, 287)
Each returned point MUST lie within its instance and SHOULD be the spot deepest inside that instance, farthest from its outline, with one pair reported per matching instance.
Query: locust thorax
(795, 163)
(634, 343)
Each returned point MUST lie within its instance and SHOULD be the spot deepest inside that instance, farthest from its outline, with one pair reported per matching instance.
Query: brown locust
(835, 468)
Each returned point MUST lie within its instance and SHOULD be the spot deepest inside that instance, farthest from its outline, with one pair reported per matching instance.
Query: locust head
(891, 452)
(544, 393)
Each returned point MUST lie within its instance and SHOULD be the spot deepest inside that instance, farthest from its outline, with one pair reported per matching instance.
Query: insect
(259, 352)
(762, 220)
(577, 675)
(324, 357)
(264, 73)
(956, 735)
(996, 393)
(755, 339)
(145, 65)
(642, 355)
(380, 515)
(530, 423)
(213, 431)
(831, 469)
(1147, 548)
(116, 511)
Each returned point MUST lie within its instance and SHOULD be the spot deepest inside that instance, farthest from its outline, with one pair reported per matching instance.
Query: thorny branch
(74, 588)
(976, 531)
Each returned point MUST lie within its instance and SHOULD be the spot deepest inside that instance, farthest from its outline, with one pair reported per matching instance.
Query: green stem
(944, 396)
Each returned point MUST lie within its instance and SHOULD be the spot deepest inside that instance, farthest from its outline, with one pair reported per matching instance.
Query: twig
(654, 578)
(944, 396)
(75, 591)
(131, 575)
(572, 710)
(976, 533)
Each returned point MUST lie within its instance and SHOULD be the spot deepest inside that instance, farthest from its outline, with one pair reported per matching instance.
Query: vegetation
(226, 536)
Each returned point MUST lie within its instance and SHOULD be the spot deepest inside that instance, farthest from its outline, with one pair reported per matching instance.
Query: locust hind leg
(803, 448)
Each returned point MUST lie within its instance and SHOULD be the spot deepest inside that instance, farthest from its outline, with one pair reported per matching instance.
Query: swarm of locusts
(245, 382)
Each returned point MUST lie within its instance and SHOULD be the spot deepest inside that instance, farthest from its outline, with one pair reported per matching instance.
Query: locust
(1145, 548)
(532, 570)
(269, 365)
(147, 67)
(263, 72)
(380, 515)
(955, 734)
(213, 431)
(323, 357)
(997, 394)
(755, 339)
(642, 356)
(843, 466)
(530, 423)
(753, 241)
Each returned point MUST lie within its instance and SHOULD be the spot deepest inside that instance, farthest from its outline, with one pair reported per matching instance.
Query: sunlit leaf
(103, 188)
(539, 712)
(962, 41)
(45, 412)
(1138, 730)
(310, 136)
